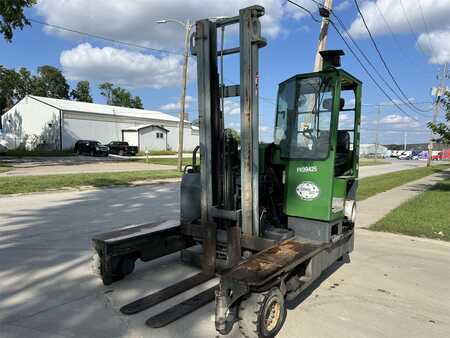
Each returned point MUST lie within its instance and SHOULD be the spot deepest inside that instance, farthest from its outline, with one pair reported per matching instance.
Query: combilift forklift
(267, 218)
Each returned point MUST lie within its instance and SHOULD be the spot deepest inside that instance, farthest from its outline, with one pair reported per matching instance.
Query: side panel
(131, 137)
(148, 139)
(31, 119)
(309, 189)
(339, 194)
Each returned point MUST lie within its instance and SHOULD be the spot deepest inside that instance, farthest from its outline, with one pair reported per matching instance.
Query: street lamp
(187, 26)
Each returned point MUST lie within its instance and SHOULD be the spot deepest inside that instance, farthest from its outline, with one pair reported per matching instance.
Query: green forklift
(268, 219)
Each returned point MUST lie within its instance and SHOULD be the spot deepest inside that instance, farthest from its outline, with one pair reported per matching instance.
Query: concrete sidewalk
(374, 208)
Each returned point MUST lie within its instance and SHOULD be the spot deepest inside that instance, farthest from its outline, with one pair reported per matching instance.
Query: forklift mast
(215, 194)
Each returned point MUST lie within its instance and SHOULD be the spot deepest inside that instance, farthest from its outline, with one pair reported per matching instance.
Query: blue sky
(415, 54)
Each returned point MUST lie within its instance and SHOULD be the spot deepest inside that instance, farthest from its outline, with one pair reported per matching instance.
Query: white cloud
(296, 13)
(436, 44)
(399, 120)
(233, 125)
(232, 107)
(134, 21)
(425, 16)
(343, 117)
(265, 129)
(342, 5)
(175, 106)
(122, 67)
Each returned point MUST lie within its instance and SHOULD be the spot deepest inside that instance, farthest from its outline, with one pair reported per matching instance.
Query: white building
(370, 149)
(58, 124)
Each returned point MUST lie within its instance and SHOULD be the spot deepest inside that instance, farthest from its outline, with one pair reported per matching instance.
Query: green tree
(24, 85)
(120, 97)
(233, 133)
(443, 129)
(136, 102)
(50, 82)
(106, 91)
(117, 96)
(8, 81)
(82, 92)
(12, 17)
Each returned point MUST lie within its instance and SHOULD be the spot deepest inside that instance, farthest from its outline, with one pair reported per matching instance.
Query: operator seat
(343, 153)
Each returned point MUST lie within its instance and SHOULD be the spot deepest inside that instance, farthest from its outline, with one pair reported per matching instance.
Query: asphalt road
(395, 286)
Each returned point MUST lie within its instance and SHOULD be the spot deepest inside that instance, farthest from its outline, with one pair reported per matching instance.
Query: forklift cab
(317, 135)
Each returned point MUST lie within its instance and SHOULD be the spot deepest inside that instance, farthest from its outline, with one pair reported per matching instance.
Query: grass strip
(426, 215)
(28, 184)
(5, 167)
(373, 185)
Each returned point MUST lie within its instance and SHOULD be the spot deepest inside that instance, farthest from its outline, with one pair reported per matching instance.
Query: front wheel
(262, 315)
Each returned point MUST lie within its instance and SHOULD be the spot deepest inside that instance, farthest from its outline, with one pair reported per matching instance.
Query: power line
(413, 32)
(95, 36)
(382, 58)
(394, 37)
(425, 25)
(367, 71)
(390, 104)
(305, 9)
(369, 74)
(369, 62)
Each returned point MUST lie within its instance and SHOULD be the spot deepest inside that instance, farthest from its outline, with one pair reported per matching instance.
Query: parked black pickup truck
(122, 148)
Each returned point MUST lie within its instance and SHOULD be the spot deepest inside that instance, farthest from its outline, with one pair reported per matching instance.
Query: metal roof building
(58, 124)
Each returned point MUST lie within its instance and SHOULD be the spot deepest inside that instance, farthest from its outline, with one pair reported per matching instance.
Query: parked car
(404, 157)
(3, 147)
(122, 148)
(92, 148)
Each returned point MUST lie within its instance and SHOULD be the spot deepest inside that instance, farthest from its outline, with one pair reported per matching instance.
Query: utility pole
(187, 26)
(377, 130)
(405, 134)
(323, 36)
(437, 104)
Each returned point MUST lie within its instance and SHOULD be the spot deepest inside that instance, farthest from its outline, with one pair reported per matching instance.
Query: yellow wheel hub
(273, 316)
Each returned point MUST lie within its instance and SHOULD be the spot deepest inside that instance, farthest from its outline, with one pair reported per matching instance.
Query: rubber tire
(96, 265)
(126, 265)
(251, 312)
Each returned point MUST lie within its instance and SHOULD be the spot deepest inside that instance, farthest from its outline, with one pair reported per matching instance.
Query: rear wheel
(262, 315)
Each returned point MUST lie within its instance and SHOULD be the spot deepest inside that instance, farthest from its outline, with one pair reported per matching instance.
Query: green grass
(27, 184)
(373, 185)
(426, 215)
(365, 163)
(35, 153)
(5, 167)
